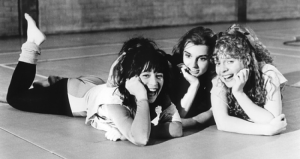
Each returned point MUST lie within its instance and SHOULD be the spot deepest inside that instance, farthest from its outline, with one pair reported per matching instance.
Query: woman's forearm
(256, 113)
(203, 118)
(187, 100)
(237, 125)
(228, 123)
(141, 125)
(167, 130)
(137, 129)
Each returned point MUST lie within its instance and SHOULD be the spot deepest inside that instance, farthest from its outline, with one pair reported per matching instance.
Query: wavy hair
(141, 54)
(197, 36)
(241, 43)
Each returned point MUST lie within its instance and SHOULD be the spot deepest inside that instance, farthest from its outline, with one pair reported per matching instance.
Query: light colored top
(95, 102)
(219, 88)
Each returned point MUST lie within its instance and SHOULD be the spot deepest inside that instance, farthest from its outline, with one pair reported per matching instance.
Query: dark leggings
(46, 100)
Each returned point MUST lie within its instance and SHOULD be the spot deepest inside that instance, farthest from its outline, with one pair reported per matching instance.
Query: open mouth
(152, 93)
(227, 77)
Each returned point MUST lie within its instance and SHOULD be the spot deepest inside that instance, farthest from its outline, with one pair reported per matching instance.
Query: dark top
(180, 86)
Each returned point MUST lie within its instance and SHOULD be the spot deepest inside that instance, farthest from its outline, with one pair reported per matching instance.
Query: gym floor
(31, 135)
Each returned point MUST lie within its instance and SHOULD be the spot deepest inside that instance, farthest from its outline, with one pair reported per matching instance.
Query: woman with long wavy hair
(246, 94)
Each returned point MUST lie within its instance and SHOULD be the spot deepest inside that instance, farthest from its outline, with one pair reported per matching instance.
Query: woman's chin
(152, 99)
(229, 84)
(198, 74)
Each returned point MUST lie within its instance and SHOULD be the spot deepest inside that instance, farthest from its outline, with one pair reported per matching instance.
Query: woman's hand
(136, 88)
(277, 125)
(190, 78)
(113, 134)
(240, 80)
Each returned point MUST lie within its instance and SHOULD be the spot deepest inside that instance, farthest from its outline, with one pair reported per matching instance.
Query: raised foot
(33, 33)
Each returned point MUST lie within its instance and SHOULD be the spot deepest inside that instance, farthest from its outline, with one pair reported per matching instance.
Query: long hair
(197, 36)
(141, 54)
(241, 43)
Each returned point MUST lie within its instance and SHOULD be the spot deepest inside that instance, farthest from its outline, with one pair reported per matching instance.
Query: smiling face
(226, 68)
(154, 82)
(195, 58)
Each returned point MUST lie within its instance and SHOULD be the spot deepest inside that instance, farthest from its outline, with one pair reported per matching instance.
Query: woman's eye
(187, 55)
(145, 75)
(230, 61)
(159, 76)
(203, 59)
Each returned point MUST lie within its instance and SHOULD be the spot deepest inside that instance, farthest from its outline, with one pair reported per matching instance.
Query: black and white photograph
(150, 79)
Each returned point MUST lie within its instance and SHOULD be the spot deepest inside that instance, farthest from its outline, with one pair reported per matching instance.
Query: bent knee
(12, 100)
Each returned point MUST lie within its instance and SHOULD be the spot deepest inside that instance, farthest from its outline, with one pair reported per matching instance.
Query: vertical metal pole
(242, 10)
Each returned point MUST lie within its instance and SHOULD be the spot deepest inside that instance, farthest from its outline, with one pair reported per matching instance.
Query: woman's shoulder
(217, 86)
(216, 83)
(271, 73)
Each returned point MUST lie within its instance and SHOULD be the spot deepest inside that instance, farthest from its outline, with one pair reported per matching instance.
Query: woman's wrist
(268, 130)
(142, 102)
(195, 83)
(141, 96)
(238, 94)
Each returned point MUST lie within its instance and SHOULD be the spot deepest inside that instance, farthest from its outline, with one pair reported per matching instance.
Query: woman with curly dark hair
(133, 107)
(246, 94)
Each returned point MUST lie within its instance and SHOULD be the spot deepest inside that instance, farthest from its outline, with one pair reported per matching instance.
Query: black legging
(47, 100)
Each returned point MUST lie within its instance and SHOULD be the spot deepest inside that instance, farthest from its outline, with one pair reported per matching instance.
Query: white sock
(30, 53)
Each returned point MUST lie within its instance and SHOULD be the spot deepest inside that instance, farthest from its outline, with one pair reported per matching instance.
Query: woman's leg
(49, 100)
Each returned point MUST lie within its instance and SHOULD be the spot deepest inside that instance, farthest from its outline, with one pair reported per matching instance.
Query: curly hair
(242, 43)
(141, 54)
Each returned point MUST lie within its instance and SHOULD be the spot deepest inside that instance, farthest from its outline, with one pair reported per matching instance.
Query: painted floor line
(284, 49)
(65, 48)
(79, 47)
(277, 37)
(31, 142)
(12, 68)
(67, 58)
(288, 29)
(293, 100)
(108, 54)
(280, 54)
(117, 44)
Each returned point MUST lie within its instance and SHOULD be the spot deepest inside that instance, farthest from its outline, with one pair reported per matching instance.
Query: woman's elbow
(182, 113)
(141, 142)
(178, 133)
(220, 128)
(176, 130)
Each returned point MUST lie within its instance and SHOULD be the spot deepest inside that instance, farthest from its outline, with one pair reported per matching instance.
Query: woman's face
(227, 68)
(195, 58)
(154, 82)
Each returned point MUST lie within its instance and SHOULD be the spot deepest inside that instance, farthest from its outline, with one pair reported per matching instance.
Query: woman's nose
(194, 63)
(153, 81)
(224, 68)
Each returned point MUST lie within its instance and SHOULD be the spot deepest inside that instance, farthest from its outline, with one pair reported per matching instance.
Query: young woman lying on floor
(137, 108)
(246, 94)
